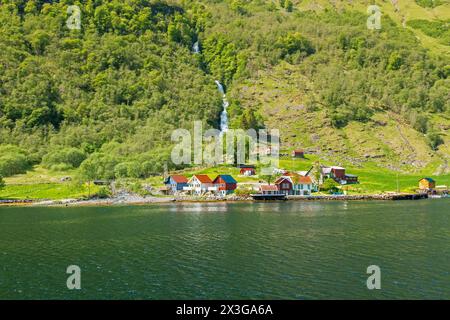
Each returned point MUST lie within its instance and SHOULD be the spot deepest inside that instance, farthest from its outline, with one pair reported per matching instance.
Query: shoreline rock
(138, 200)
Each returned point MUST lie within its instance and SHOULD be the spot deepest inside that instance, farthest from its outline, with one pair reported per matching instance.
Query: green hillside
(101, 102)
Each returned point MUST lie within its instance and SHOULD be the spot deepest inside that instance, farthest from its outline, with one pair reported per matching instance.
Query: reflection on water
(292, 250)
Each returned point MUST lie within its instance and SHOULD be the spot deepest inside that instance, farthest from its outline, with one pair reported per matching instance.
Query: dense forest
(106, 97)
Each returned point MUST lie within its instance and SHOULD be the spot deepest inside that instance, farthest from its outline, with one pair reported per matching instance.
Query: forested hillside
(106, 97)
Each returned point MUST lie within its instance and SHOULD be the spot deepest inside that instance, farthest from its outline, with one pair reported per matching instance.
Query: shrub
(103, 193)
(2, 183)
(434, 140)
(429, 3)
(11, 164)
(65, 158)
(130, 169)
(294, 45)
(121, 170)
(330, 185)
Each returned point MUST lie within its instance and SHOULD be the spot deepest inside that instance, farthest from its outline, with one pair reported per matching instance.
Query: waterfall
(225, 104)
(196, 47)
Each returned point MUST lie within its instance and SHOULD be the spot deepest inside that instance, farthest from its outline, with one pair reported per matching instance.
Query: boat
(276, 196)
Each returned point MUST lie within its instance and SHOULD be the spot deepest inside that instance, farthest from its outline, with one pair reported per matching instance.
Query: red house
(338, 173)
(225, 184)
(298, 153)
(284, 185)
(247, 170)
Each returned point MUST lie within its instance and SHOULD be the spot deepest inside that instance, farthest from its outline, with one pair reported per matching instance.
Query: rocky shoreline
(129, 199)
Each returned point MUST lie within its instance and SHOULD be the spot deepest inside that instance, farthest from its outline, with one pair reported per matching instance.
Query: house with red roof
(268, 189)
(199, 184)
(247, 169)
(295, 184)
(225, 184)
(175, 183)
(338, 174)
(301, 185)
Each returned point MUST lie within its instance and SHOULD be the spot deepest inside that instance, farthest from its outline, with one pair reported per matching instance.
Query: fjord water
(289, 250)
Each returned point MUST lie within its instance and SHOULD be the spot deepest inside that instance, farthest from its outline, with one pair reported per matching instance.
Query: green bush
(66, 158)
(429, 3)
(434, 140)
(121, 170)
(2, 183)
(330, 186)
(13, 163)
(103, 193)
(293, 47)
(129, 169)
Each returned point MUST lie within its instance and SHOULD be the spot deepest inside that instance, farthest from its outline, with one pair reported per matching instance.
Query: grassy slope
(281, 92)
(407, 10)
(41, 183)
(279, 95)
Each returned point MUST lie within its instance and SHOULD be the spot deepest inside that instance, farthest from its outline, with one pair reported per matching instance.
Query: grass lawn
(40, 183)
(54, 191)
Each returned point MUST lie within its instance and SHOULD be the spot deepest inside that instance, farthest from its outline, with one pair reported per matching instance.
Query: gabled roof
(203, 178)
(179, 178)
(226, 177)
(302, 180)
(242, 166)
(326, 170)
(295, 178)
(428, 179)
(268, 187)
(281, 179)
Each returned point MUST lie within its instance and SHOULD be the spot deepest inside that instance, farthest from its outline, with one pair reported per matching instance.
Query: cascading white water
(225, 104)
(196, 47)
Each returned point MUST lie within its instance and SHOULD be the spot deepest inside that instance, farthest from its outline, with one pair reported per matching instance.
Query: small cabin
(225, 184)
(338, 174)
(284, 185)
(247, 170)
(427, 184)
(351, 179)
(299, 153)
(176, 183)
(269, 189)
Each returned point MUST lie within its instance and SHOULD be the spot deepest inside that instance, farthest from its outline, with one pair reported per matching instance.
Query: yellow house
(427, 184)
